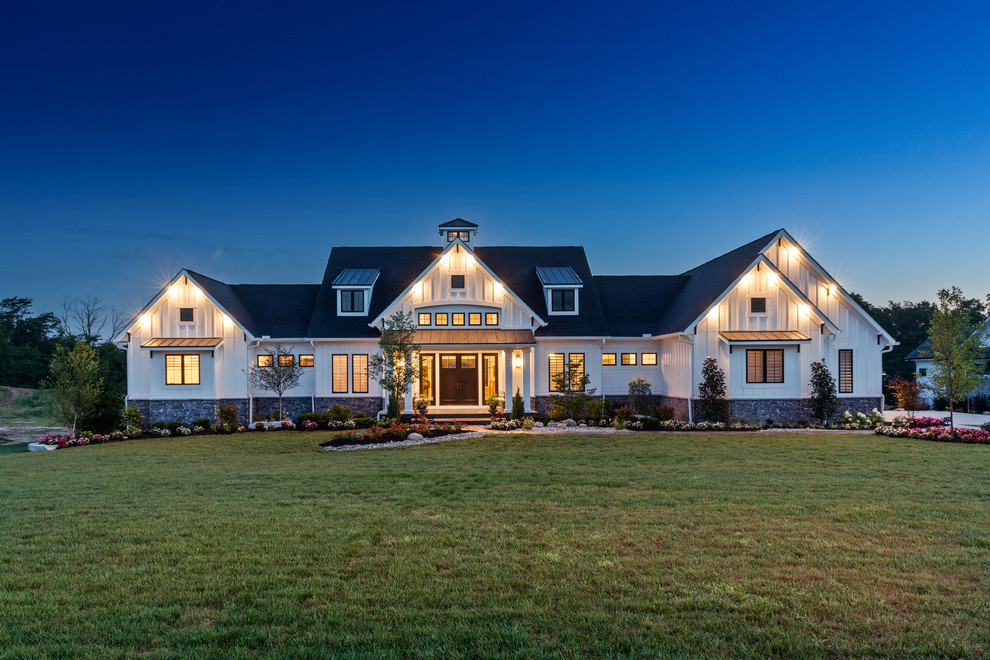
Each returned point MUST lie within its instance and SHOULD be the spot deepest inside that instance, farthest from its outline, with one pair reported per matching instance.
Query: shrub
(713, 406)
(518, 407)
(651, 423)
(622, 413)
(640, 396)
(228, 415)
(204, 423)
(132, 417)
(339, 413)
(313, 417)
(505, 424)
(664, 413)
(824, 400)
(173, 426)
(558, 412)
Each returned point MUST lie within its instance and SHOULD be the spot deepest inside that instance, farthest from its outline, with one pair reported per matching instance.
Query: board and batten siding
(221, 376)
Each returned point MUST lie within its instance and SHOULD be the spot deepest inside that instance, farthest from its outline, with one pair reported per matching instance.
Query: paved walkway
(961, 419)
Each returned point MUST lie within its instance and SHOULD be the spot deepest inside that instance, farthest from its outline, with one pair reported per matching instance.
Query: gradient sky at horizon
(244, 140)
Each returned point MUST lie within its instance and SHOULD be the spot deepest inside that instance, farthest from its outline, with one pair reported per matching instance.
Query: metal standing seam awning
(475, 337)
(764, 336)
(179, 343)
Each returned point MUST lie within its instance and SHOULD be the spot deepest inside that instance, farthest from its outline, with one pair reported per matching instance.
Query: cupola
(458, 228)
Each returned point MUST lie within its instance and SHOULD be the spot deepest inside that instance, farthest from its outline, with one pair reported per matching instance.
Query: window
(922, 372)
(491, 318)
(575, 371)
(185, 315)
(845, 371)
(424, 318)
(264, 360)
(463, 235)
(286, 360)
(629, 359)
(562, 300)
(352, 301)
(305, 360)
(339, 373)
(182, 370)
(649, 358)
(359, 373)
(608, 359)
(441, 319)
(757, 305)
(474, 318)
(765, 366)
(456, 281)
(556, 370)
(458, 319)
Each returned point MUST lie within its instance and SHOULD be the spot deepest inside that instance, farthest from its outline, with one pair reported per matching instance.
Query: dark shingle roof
(706, 283)
(634, 304)
(628, 306)
(924, 352)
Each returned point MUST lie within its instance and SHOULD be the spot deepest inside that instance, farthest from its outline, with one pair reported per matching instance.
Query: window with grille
(845, 371)
(359, 373)
(608, 359)
(352, 301)
(649, 358)
(339, 373)
(629, 359)
(424, 318)
(757, 305)
(562, 300)
(182, 370)
(474, 318)
(491, 318)
(441, 318)
(286, 360)
(765, 366)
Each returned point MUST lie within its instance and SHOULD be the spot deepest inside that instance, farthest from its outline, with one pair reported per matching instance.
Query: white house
(508, 318)
(922, 358)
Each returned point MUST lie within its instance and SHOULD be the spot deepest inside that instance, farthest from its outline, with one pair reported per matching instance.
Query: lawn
(516, 546)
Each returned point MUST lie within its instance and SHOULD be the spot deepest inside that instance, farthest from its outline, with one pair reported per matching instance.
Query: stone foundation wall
(790, 410)
(369, 405)
(292, 406)
(186, 410)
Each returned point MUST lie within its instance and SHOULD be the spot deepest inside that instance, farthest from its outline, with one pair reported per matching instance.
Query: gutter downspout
(690, 342)
(601, 375)
(313, 407)
(254, 344)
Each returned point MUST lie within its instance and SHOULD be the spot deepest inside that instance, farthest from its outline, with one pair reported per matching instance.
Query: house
(922, 358)
(496, 320)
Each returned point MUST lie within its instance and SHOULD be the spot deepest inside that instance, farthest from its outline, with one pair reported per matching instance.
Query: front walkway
(967, 420)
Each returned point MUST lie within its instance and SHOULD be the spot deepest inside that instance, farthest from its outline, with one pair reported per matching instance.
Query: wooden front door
(458, 380)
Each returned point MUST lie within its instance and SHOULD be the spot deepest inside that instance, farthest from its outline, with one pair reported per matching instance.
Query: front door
(458, 380)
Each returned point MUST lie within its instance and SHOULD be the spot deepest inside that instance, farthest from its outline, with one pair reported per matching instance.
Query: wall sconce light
(174, 290)
(830, 289)
(517, 360)
(145, 320)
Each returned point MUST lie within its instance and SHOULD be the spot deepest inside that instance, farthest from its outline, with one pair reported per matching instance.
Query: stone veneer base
(188, 410)
(747, 410)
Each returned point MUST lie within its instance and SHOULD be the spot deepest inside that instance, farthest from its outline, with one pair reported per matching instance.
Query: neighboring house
(922, 358)
(494, 320)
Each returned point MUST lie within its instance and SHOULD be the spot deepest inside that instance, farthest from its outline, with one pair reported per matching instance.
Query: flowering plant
(935, 433)
(288, 426)
(182, 430)
(161, 432)
(309, 425)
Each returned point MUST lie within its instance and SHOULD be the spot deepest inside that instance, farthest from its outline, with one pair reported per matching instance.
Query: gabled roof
(707, 282)
(458, 222)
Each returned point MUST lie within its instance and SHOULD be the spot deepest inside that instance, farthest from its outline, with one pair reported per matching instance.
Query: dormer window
(354, 287)
(463, 235)
(560, 285)
(352, 300)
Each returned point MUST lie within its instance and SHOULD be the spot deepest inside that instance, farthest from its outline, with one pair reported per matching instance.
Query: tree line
(31, 344)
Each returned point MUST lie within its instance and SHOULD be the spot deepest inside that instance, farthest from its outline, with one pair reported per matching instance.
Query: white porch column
(527, 378)
(408, 403)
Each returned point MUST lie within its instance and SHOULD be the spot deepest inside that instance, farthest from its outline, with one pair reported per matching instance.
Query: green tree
(518, 410)
(956, 349)
(26, 343)
(75, 383)
(640, 396)
(572, 392)
(711, 392)
(824, 399)
(280, 376)
(397, 363)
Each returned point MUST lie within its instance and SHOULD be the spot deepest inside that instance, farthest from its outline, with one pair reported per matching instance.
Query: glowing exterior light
(446, 259)
(771, 277)
(805, 310)
(145, 320)
(830, 288)
(745, 280)
(468, 260)
(498, 288)
(517, 360)
(713, 314)
(174, 290)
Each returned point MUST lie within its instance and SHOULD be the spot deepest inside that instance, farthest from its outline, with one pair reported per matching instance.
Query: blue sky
(244, 140)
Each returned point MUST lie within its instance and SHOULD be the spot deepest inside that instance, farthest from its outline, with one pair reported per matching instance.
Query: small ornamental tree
(907, 394)
(280, 375)
(956, 350)
(824, 400)
(397, 363)
(518, 410)
(711, 392)
(74, 382)
(640, 396)
(573, 394)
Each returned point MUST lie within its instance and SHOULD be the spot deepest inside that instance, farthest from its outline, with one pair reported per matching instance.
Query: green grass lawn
(516, 546)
